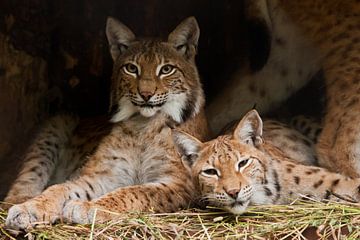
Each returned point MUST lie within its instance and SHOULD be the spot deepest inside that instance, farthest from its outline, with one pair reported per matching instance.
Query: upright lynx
(135, 166)
(240, 169)
(305, 36)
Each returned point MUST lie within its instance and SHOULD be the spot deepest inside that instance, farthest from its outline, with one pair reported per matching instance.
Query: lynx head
(152, 76)
(229, 169)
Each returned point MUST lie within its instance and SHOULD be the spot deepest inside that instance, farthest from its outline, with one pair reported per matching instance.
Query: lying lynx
(304, 37)
(241, 169)
(135, 167)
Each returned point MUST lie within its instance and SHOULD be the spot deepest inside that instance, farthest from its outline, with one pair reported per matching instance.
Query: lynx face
(240, 169)
(155, 76)
(228, 179)
(228, 170)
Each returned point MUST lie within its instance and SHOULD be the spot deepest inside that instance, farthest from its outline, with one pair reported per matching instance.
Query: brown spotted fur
(334, 27)
(135, 167)
(241, 169)
(62, 146)
(305, 37)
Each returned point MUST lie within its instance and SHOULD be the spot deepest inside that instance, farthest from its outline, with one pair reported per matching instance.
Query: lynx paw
(84, 212)
(26, 215)
(78, 212)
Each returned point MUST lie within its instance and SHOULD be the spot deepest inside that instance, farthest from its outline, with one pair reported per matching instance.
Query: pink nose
(146, 95)
(233, 193)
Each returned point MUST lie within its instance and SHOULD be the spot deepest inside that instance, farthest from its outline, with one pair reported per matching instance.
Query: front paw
(26, 215)
(84, 212)
(78, 212)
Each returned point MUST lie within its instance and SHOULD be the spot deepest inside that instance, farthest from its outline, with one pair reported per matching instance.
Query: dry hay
(301, 220)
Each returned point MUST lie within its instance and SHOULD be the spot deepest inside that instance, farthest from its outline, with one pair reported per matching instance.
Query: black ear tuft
(259, 43)
(254, 106)
(250, 129)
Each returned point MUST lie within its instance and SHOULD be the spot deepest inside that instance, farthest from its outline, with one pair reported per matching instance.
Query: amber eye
(243, 163)
(211, 172)
(166, 69)
(131, 68)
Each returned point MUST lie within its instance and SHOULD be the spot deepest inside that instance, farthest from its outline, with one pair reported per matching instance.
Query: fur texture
(135, 166)
(306, 36)
(241, 169)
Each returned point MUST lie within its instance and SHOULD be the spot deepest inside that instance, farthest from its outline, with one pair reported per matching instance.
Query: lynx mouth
(148, 105)
(237, 207)
(148, 110)
(237, 203)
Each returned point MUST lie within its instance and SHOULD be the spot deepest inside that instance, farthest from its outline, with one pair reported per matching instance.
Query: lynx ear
(185, 37)
(249, 130)
(187, 145)
(119, 37)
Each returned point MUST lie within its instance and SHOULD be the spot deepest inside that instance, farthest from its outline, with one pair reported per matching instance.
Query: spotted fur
(307, 126)
(306, 36)
(241, 169)
(61, 147)
(291, 142)
(135, 167)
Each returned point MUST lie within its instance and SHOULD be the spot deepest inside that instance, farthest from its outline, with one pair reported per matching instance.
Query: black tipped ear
(187, 145)
(119, 37)
(249, 130)
(185, 37)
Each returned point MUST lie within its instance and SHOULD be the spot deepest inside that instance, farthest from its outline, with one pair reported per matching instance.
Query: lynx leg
(41, 159)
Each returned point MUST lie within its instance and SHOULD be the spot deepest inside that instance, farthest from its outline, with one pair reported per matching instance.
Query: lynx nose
(146, 95)
(233, 193)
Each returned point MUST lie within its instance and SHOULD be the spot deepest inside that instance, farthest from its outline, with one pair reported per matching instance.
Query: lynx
(135, 167)
(240, 169)
(302, 37)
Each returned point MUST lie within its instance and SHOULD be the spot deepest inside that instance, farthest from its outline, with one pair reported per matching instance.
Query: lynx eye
(166, 69)
(210, 172)
(131, 68)
(242, 163)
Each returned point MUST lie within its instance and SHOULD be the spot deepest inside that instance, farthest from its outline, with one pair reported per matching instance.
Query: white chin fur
(148, 112)
(175, 105)
(127, 109)
(238, 209)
